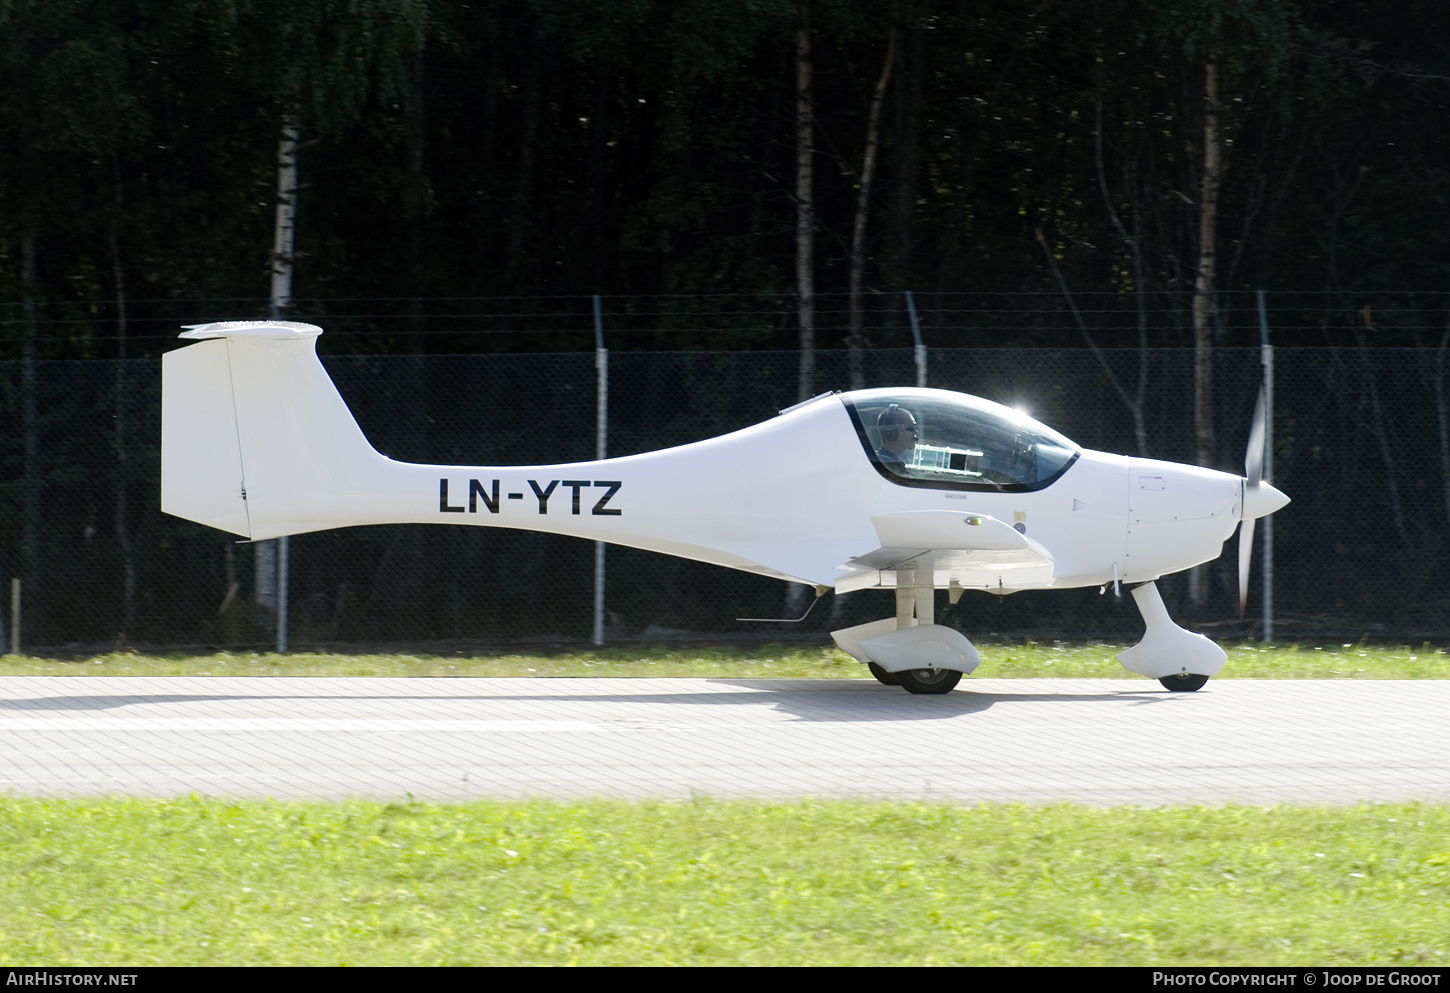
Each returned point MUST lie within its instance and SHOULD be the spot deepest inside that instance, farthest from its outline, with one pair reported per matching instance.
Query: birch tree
(856, 341)
(329, 57)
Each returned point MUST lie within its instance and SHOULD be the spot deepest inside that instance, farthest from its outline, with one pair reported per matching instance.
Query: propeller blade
(1246, 552)
(1254, 457)
(1260, 499)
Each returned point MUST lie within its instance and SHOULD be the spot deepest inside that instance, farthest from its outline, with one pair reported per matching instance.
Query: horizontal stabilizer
(263, 330)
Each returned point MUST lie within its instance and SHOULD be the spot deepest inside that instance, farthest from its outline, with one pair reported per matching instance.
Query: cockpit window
(953, 441)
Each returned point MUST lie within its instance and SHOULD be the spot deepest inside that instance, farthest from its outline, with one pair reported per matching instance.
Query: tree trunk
(1204, 434)
(123, 525)
(805, 223)
(517, 241)
(30, 438)
(856, 339)
(1134, 404)
(597, 226)
(805, 210)
(285, 230)
(906, 160)
(1382, 439)
(1134, 242)
(415, 200)
(1442, 417)
(1207, 264)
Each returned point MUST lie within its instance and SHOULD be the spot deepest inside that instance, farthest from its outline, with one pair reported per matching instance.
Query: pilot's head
(898, 430)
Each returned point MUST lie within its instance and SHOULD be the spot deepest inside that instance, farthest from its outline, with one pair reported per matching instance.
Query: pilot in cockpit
(898, 432)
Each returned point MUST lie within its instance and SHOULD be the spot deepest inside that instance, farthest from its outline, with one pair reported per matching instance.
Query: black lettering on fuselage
(490, 496)
(543, 495)
(576, 485)
(443, 499)
(599, 507)
(476, 490)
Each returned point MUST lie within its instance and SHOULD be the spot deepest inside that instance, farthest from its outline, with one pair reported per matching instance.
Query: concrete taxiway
(1099, 741)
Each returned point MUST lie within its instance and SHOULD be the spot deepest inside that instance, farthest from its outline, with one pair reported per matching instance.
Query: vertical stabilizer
(256, 439)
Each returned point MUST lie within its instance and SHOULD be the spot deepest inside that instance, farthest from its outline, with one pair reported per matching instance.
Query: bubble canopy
(952, 441)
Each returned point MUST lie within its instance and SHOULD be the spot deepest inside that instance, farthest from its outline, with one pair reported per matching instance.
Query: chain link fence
(1360, 444)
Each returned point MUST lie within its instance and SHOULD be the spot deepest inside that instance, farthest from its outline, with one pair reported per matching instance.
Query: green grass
(1055, 659)
(193, 881)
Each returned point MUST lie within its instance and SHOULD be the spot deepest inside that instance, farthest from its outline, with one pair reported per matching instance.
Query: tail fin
(255, 439)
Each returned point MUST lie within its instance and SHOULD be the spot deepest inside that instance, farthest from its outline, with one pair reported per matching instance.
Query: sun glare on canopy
(946, 440)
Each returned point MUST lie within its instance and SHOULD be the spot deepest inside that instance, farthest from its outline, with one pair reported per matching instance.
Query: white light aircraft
(914, 490)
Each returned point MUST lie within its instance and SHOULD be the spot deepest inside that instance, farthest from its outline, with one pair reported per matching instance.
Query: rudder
(201, 458)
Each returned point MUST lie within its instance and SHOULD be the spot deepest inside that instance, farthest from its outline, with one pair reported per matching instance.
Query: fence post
(601, 365)
(1266, 359)
(917, 346)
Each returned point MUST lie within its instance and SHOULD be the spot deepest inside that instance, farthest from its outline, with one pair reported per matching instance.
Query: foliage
(646, 146)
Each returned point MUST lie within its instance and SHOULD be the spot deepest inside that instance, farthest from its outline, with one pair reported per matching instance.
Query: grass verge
(1054, 659)
(214, 882)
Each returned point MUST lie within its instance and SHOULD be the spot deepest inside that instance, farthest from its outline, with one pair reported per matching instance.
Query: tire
(1185, 683)
(928, 680)
(882, 676)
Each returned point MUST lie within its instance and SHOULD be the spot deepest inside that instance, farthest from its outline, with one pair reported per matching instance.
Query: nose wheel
(1185, 682)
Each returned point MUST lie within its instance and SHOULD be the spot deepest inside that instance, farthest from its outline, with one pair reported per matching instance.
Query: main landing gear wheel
(929, 680)
(1184, 683)
(882, 676)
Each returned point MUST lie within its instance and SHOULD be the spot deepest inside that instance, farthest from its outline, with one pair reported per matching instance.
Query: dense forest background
(532, 149)
(1081, 200)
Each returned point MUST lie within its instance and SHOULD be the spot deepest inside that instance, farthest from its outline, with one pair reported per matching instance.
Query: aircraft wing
(973, 551)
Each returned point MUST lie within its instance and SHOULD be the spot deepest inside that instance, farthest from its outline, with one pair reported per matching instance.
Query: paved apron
(1101, 741)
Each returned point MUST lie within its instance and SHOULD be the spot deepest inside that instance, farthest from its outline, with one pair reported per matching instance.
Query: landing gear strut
(911, 638)
(1181, 660)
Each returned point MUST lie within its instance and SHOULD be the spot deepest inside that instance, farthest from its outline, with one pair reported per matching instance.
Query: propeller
(1260, 499)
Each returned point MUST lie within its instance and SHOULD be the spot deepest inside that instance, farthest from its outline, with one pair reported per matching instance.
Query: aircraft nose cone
(1262, 500)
